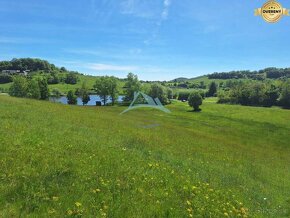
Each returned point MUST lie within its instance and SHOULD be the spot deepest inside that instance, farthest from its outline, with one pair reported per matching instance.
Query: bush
(195, 100)
(224, 97)
(71, 78)
(53, 78)
(71, 98)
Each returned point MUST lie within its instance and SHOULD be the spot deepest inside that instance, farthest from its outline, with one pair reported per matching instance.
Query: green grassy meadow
(61, 161)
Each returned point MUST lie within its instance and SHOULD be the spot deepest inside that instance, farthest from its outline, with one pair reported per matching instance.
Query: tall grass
(59, 160)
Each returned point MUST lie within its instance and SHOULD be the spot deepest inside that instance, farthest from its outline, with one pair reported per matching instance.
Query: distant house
(20, 72)
(10, 71)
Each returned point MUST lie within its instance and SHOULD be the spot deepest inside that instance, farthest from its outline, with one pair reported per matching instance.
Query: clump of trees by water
(107, 86)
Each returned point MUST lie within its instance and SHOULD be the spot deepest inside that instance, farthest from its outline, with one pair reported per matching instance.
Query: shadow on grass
(195, 111)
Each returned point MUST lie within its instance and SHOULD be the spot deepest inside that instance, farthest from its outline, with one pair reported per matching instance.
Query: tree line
(271, 73)
(257, 94)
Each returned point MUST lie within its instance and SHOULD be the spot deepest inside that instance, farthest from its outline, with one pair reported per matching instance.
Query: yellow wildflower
(78, 204)
(69, 212)
(54, 198)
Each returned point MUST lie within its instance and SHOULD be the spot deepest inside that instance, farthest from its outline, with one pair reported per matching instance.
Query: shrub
(71, 78)
(195, 100)
(71, 97)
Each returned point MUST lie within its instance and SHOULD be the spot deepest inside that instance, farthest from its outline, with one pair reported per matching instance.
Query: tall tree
(113, 89)
(132, 85)
(102, 87)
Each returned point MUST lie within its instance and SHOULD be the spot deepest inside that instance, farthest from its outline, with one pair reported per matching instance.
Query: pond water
(92, 102)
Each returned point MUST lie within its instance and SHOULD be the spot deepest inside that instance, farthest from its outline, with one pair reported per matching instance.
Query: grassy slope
(64, 88)
(214, 163)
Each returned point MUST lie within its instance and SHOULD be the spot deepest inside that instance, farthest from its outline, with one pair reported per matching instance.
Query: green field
(226, 161)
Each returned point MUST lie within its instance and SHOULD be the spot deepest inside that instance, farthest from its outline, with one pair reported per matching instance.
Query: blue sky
(156, 39)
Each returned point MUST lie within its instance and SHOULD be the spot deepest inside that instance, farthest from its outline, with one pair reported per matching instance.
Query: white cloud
(108, 67)
(163, 17)
(166, 5)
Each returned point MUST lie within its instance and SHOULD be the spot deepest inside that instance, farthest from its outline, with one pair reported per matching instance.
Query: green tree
(160, 92)
(195, 100)
(102, 87)
(132, 85)
(71, 97)
(33, 90)
(212, 89)
(113, 89)
(43, 87)
(19, 87)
